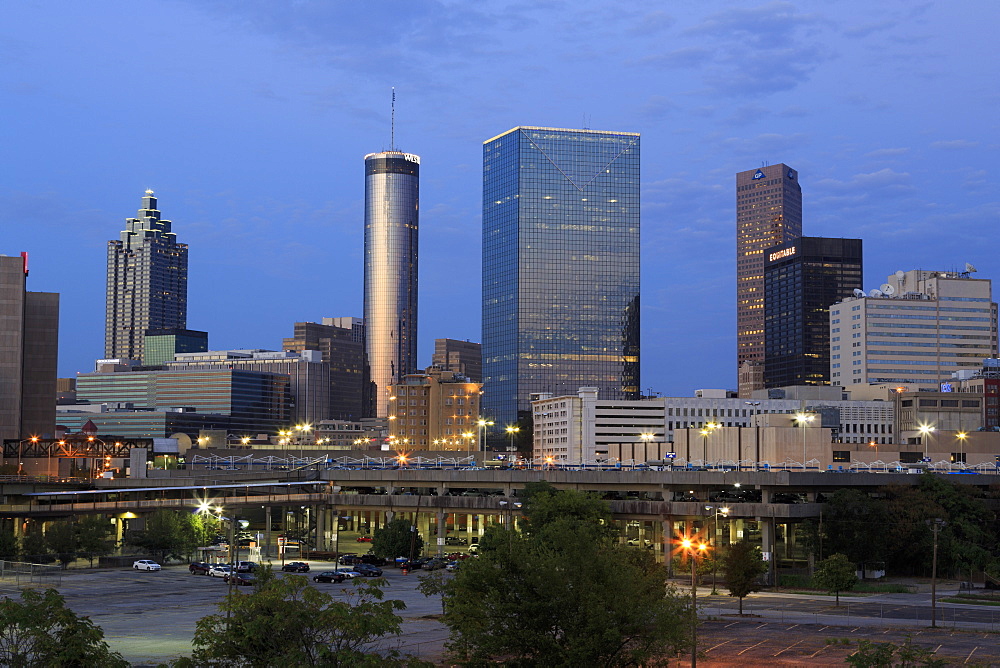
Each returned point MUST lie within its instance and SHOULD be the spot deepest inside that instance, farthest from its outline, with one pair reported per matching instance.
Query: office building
(801, 280)
(29, 337)
(356, 325)
(435, 410)
(309, 383)
(768, 214)
(162, 344)
(915, 331)
(147, 283)
(560, 267)
(343, 350)
(392, 198)
(462, 357)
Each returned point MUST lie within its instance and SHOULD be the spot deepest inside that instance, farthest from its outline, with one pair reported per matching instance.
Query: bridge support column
(267, 532)
(137, 462)
(767, 545)
(442, 523)
(322, 522)
(666, 544)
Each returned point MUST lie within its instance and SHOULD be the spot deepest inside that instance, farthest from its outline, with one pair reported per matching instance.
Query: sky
(250, 120)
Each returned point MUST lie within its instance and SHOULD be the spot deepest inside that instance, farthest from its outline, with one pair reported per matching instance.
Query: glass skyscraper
(560, 267)
(392, 187)
(147, 283)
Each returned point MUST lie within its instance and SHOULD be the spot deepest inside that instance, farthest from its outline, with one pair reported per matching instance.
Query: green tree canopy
(39, 631)
(743, 565)
(62, 540)
(835, 574)
(93, 533)
(396, 539)
(287, 622)
(563, 594)
(172, 533)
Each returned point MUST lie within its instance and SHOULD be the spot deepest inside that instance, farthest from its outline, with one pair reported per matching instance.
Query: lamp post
(511, 431)
(20, 453)
(705, 432)
(693, 549)
(804, 419)
(936, 525)
(483, 423)
(961, 436)
(715, 544)
(924, 430)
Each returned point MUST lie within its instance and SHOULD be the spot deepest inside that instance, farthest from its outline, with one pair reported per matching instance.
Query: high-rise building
(768, 214)
(560, 267)
(29, 337)
(392, 188)
(345, 355)
(147, 283)
(434, 410)
(162, 344)
(463, 357)
(801, 280)
(915, 332)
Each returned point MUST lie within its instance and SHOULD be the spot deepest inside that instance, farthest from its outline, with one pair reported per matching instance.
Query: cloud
(955, 144)
(865, 29)
(657, 106)
(652, 23)
(887, 152)
(883, 181)
(690, 56)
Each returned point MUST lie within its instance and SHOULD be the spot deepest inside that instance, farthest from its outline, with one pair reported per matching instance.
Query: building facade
(29, 347)
(351, 394)
(801, 280)
(162, 344)
(147, 283)
(560, 267)
(768, 214)
(462, 357)
(915, 332)
(435, 410)
(392, 202)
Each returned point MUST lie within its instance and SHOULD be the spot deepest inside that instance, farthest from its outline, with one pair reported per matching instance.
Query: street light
(873, 444)
(511, 431)
(715, 544)
(804, 419)
(483, 423)
(708, 429)
(924, 430)
(20, 453)
(961, 436)
(693, 549)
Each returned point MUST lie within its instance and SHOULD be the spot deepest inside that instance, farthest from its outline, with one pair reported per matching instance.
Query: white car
(220, 570)
(145, 565)
(349, 573)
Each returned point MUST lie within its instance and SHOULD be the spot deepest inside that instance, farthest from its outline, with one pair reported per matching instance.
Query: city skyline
(853, 96)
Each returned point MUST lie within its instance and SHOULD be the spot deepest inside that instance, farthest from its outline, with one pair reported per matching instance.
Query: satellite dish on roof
(875, 293)
(969, 268)
(859, 293)
(887, 289)
(900, 274)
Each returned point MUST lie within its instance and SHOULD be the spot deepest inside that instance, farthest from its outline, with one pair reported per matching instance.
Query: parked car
(145, 565)
(245, 566)
(434, 564)
(452, 565)
(245, 579)
(296, 567)
(454, 540)
(349, 559)
(329, 576)
(411, 564)
(373, 560)
(348, 572)
(364, 539)
(367, 570)
(198, 568)
(220, 570)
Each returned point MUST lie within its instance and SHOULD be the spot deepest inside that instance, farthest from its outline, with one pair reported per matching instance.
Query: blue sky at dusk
(251, 119)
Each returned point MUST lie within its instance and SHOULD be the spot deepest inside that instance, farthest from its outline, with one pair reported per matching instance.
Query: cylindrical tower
(392, 185)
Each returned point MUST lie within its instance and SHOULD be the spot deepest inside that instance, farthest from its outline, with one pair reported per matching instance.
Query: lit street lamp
(693, 549)
(709, 428)
(924, 430)
(511, 431)
(804, 419)
(20, 453)
(961, 436)
(483, 423)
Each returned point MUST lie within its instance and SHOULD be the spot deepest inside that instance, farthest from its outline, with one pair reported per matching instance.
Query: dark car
(434, 564)
(373, 560)
(411, 564)
(244, 579)
(296, 567)
(349, 559)
(454, 540)
(198, 568)
(329, 576)
(368, 570)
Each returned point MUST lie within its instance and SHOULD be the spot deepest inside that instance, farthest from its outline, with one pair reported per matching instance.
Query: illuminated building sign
(785, 252)
(758, 175)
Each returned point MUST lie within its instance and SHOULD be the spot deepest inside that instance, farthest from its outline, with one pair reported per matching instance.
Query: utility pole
(936, 525)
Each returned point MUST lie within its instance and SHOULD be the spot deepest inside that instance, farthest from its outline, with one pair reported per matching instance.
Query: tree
(743, 565)
(39, 631)
(836, 574)
(8, 541)
(61, 539)
(433, 584)
(287, 622)
(877, 654)
(854, 525)
(93, 534)
(398, 538)
(35, 547)
(166, 533)
(563, 594)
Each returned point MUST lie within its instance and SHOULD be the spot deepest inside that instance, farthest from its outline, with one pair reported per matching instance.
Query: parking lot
(150, 617)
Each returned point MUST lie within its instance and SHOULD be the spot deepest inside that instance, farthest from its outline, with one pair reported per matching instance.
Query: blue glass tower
(560, 266)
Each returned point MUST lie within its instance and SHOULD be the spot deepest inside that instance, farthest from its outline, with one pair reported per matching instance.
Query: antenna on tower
(392, 131)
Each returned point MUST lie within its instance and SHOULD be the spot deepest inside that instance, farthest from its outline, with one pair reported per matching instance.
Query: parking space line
(791, 627)
(730, 624)
(970, 654)
(821, 649)
(751, 647)
(720, 645)
(790, 646)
